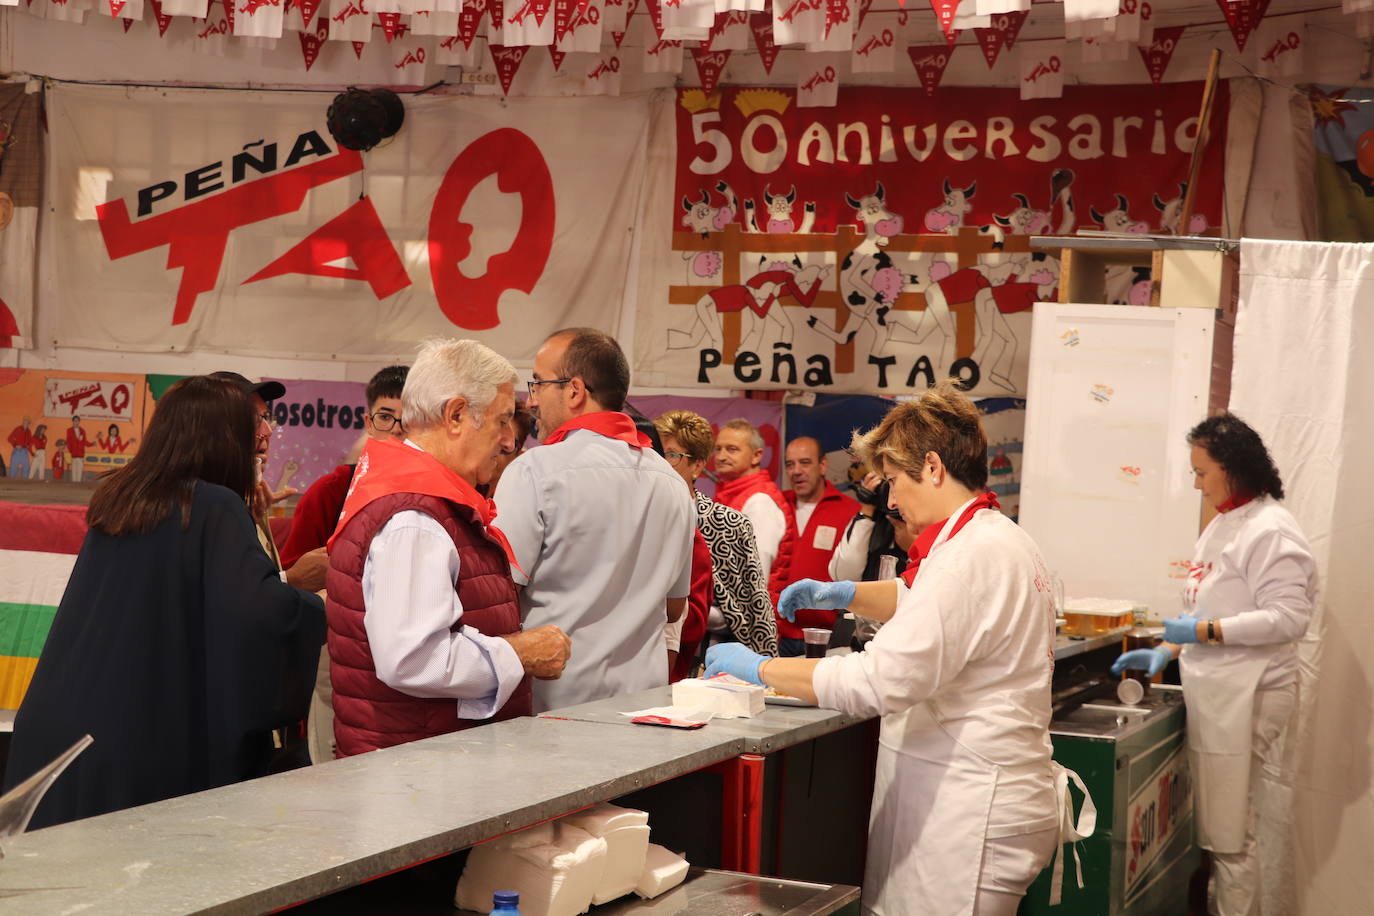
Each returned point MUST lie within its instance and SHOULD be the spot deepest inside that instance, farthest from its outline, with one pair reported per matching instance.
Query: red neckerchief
(387, 467)
(926, 539)
(610, 423)
(734, 493)
(1236, 501)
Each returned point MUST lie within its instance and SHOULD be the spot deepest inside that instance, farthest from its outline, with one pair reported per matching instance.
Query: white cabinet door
(1106, 482)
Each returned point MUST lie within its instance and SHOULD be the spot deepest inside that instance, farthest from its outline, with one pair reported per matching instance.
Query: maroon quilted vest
(367, 713)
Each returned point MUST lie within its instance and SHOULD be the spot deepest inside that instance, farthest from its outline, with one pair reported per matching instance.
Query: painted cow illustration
(779, 207)
(1170, 211)
(1029, 220)
(869, 280)
(1025, 219)
(1119, 219)
(700, 216)
(756, 301)
(1031, 279)
(949, 216)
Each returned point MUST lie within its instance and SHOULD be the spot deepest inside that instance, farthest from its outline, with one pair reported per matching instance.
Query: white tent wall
(1267, 197)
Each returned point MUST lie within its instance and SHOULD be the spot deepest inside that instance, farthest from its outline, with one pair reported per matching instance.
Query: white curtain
(1303, 376)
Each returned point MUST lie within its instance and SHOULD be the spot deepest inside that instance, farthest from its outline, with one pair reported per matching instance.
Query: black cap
(267, 390)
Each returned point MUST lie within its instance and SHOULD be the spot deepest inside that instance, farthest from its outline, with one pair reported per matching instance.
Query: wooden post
(1203, 124)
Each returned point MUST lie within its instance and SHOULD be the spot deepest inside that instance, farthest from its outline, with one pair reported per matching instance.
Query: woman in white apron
(1251, 586)
(965, 812)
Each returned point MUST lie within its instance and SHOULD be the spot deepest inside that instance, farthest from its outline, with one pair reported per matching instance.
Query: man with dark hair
(317, 513)
(77, 443)
(822, 513)
(600, 524)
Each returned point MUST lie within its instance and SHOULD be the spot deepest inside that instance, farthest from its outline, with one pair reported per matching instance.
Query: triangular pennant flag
(1157, 55)
(1009, 25)
(308, 8)
(128, 24)
(944, 14)
(762, 26)
(468, 21)
(710, 65)
(583, 4)
(507, 62)
(358, 48)
(229, 13)
(1243, 17)
(656, 14)
(540, 8)
(617, 37)
(557, 56)
(164, 19)
(116, 6)
(497, 9)
(563, 18)
(836, 11)
(391, 25)
(990, 40)
(312, 41)
(930, 62)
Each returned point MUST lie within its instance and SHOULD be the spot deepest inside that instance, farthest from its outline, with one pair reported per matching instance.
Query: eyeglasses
(534, 385)
(265, 418)
(384, 422)
(674, 456)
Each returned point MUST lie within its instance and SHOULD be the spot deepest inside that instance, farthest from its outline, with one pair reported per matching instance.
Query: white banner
(236, 224)
(21, 192)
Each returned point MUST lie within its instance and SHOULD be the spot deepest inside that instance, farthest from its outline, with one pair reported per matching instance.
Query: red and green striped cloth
(38, 548)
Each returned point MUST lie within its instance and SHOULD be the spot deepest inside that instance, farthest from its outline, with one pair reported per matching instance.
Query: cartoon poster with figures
(68, 426)
(1343, 141)
(883, 244)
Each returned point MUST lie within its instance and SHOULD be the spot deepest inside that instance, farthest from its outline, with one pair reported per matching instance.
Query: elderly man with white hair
(424, 621)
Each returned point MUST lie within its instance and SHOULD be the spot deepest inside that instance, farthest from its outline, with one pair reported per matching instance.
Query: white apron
(932, 802)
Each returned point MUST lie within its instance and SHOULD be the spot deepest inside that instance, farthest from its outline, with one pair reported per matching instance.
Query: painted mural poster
(1343, 141)
(317, 426)
(883, 244)
(68, 426)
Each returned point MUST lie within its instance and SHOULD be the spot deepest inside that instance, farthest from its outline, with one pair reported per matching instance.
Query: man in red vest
(823, 513)
(424, 622)
(745, 486)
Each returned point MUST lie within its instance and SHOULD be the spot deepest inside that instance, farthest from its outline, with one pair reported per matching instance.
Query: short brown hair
(942, 420)
(203, 429)
(596, 358)
(691, 431)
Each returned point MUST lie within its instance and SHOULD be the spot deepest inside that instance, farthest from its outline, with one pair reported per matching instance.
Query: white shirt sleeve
(851, 555)
(411, 607)
(770, 525)
(520, 516)
(915, 653)
(1278, 571)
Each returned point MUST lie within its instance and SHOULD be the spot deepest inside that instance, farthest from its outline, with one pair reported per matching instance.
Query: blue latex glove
(808, 593)
(1149, 660)
(1180, 630)
(737, 659)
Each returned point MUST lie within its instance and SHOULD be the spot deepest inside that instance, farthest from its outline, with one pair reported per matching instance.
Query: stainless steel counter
(1109, 719)
(1069, 646)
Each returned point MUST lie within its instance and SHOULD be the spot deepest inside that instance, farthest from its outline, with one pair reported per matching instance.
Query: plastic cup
(817, 641)
(1130, 692)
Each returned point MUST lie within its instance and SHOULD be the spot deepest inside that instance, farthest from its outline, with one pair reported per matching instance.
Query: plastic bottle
(505, 903)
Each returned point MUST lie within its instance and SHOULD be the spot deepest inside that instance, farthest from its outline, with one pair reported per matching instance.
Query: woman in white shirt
(965, 811)
(1251, 586)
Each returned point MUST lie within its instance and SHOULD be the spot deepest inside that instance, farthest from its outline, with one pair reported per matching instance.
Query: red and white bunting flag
(710, 66)
(391, 24)
(687, 20)
(468, 21)
(312, 42)
(128, 24)
(524, 26)
(229, 13)
(864, 6)
(1042, 69)
(507, 62)
(1243, 18)
(1280, 43)
(540, 8)
(196, 9)
(663, 57)
(131, 10)
(1001, 35)
(1147, 24)
(1126, 26)
(604, 78)
(837, 35)
(618, 38)
(116, 7)
(798, 22)
(875, 47)
(730, 32)
(930, 62)
(615, 14)
(443, 23)
(584, 30)
(761, 24)
(656, 17)
(212, 32)
(451, 52)
(358, 49)
(257, 18)
(990, 40)
(944, 14)
(818, 80)
(557, 56)
(562, 18)
(1160, 51)
(308, 9)
(836, 11)
(496, 10)
(350, 20)
(163, 19)
(408, 56)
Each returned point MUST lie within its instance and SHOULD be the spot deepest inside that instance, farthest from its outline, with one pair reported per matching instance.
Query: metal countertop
(268, 843)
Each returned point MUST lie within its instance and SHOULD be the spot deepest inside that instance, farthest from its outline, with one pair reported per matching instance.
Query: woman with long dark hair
(176, 645)
(1248, 600)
